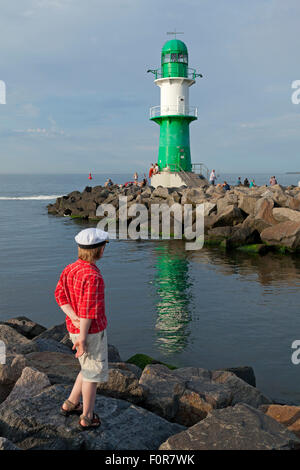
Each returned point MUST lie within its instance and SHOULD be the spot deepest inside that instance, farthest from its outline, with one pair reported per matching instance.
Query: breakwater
(256, 219)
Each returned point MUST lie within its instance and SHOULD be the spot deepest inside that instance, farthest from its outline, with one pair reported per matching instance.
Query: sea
(205, 308)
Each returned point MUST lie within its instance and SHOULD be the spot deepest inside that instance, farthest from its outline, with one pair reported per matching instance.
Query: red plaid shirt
(81, 285)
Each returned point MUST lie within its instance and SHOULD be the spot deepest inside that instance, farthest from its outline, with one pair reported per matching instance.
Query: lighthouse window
(166, 58)
(180, 57)
(173, 57)
(185, 58)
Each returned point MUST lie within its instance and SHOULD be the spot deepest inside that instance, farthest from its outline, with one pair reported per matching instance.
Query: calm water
(203, 308)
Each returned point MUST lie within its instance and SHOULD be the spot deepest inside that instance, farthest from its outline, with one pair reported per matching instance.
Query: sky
(78, 95)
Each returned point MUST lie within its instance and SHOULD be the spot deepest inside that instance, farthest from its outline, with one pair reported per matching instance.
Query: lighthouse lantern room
(174, 115)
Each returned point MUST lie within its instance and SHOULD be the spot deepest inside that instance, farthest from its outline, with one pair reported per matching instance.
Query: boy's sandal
(71, 408)
(90, 423)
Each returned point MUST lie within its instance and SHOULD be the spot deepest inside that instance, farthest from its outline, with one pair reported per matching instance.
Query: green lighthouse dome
(174, 59)
(174, 45)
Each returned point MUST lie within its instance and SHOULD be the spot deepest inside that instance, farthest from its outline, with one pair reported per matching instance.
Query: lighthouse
(174, 116)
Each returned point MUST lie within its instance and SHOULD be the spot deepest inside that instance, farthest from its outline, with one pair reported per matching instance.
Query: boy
(80, 294)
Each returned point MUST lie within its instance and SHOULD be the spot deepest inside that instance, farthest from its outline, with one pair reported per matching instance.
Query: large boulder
(264, 211)
(36, 423)
(25, 326)
(229, 200)
(161, 192)
(209, 207)
(31, 383)
(113, 354)
(123, 383)
(9, 374)
(186, 395)
(15, 342)
(230, 216)
(59, 367)
(56, 332)
(284, 234)
(243, 235)
(247, 203)
(255, 224)
(48, 344)
(218, 234)
(287, 415)
(241, 427)
(281, 214)
(245, 373)
(193, 196)
(5, 444)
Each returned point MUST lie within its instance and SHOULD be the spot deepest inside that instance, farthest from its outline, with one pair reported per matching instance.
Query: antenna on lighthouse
(174, 32)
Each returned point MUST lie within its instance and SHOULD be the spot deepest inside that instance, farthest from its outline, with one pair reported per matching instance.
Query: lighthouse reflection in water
(175, 305)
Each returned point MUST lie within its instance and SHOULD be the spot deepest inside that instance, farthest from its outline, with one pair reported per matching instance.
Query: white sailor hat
(91, 238)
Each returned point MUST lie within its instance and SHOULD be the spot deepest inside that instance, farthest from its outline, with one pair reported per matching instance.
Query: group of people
(154, 169)
(212, 180)
(246, 183)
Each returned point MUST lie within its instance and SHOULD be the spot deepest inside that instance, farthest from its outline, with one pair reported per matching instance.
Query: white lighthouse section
(174, 97)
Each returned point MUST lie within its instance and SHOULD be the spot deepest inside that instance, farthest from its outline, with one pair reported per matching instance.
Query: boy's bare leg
(76, 391)
(89, 390)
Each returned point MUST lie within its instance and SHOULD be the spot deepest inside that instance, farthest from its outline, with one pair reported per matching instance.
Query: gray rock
(162, 390)
(31, 383)
(247, 203)
(234, 428)
(283, 234)
(25, 326)
(36, 423)
(48, 344)
(5, 444)
(122, 383)
(57, 332)
(59, 367)
(113, 354)
(230, 216)
(245, 373)
(15, 342)
(240, 390)
(282, 214)
(186, 395)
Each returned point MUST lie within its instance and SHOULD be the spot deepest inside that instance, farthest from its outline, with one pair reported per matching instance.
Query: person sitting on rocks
(239, 181)
(108, 183)
(80, 295)
(226, 186)
(252, 184)
(246, 183)
(273, 181)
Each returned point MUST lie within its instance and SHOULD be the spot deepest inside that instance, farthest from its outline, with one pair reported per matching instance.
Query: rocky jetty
(250, 219)
(151, 407)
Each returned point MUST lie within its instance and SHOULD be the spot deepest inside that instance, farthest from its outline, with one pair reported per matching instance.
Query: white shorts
(94, 363)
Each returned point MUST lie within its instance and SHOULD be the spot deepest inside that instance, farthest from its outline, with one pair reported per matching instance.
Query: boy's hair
(90, 255)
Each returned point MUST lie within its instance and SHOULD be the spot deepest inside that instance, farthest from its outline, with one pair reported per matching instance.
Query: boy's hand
(80, 345)
(76, 322)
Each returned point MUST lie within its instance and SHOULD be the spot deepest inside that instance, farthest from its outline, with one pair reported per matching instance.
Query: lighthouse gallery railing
(170, 110)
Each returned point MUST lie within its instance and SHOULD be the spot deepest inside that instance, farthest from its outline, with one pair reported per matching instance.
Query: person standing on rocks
(151, 171)
(212, 177)
(80, 294)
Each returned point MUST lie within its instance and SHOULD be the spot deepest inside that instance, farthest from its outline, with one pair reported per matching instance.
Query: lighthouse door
(181, 105)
